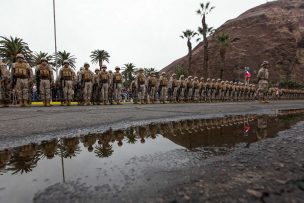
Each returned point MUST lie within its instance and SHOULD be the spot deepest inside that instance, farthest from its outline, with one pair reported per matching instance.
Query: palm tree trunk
(189, 54)
(206, 56)
(100, 64)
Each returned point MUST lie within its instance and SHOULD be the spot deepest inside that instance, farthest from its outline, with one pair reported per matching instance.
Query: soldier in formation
(106, 87)
(67, 79)
(4, 85)
(45, 74)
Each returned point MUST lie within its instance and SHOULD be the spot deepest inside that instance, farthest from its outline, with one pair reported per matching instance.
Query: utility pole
(55, 37)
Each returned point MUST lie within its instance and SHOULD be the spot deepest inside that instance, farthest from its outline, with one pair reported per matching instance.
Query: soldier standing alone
(263, 75)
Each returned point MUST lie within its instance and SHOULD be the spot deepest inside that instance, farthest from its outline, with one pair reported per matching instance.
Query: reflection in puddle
(102, 158)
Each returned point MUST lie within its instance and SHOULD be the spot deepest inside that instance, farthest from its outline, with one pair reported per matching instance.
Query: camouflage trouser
(263, 88)
(152, 93)
(196, 94)
(4, 94)
(163, 93)
(141, 92)
(68, 91)
(45, 90)
(174, 95)
(104, 92)
(96, 94)
(182, 94)
(190, 94)
(87, 91)
(117, 91)
(22, 89)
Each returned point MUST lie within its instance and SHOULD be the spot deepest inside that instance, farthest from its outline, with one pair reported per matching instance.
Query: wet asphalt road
(21, 125)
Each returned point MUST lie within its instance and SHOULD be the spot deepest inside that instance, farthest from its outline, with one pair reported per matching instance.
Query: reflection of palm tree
(4, 158)
(104, 150)
(24, 159)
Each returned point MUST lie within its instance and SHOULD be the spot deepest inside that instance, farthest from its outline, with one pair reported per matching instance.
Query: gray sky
(144, 32)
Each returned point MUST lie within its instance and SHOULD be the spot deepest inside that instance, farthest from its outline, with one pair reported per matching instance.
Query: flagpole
(55, 37)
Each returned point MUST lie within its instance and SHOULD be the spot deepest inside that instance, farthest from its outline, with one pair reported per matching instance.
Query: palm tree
(148, 71)
(128, 73)
(38, 55)
(189, 34)
(204, 10)
(99, 56)
(10, 47)
(62, 56)
(224, 41)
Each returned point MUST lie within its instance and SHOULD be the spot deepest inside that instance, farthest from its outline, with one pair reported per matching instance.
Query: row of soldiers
(105, 86)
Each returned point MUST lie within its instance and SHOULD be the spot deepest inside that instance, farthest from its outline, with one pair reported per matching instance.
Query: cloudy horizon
(145, 33)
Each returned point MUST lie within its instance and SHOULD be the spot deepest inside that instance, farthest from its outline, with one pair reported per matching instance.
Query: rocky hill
(273, 31)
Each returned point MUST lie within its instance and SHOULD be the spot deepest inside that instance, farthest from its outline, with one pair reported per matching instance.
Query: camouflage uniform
(103, 83)
(152, 85)
(263, 81)
(111, 88)
(140, 82)
(96, 90)
(22, 74)
(189, 87)
(163, 84)
(87, 77)
(181, 88)
(202, 90)
(67, 78)
(4, 85)
(45, 75)
(196, 92)
(117, 85)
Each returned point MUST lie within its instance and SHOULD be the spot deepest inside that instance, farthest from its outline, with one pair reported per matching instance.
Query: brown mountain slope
(273, 31)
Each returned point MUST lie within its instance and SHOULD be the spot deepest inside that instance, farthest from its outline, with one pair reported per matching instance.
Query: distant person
(67, 78)
(263, 76)
(4, 85)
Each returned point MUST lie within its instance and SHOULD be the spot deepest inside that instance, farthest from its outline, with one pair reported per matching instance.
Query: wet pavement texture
(145, 163)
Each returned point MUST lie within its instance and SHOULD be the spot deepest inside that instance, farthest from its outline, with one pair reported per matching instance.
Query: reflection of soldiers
(103, 83)
(140, 82)
(117, 85)
(142, 131)
(4, 85)
(71, 147)
(263, 81)
(45, 74)
(119, 136)
(262, 128)
(67, 77)
(87, 77)
(22, 77)
(89, 141)
(163, 85)
(4, 158)
(104, 149)
(49, 148)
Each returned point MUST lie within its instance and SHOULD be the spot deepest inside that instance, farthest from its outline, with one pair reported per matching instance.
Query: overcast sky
(144, 32)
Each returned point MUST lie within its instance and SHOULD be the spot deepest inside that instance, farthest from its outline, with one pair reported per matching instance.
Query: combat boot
(26, 104)
(68, 103)
(48, 103)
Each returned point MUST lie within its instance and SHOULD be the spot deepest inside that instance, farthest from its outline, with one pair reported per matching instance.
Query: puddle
(99, 159)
